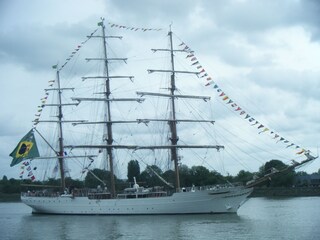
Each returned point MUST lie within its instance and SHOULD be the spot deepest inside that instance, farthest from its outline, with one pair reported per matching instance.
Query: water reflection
(260, 218)
(124, 227)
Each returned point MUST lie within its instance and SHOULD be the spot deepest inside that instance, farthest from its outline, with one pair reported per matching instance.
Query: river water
(258, 218)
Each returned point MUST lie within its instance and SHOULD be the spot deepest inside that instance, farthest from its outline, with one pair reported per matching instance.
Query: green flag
(100, 23)
(26, 148)
(55, 66)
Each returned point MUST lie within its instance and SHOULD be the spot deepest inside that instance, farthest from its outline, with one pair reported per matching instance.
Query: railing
(74, 192)
(91, 193)
(210, 187)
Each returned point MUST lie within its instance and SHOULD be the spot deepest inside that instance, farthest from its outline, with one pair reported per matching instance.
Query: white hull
(227, 200)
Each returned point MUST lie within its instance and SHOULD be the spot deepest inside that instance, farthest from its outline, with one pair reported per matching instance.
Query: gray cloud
(242, 44)
(39, 47)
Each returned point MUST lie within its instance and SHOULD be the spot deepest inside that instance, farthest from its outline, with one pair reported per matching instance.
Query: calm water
(259, 218)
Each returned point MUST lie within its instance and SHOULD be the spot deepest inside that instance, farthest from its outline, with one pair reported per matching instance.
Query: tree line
(196, 175)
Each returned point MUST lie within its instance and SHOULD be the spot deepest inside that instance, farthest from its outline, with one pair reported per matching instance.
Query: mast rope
(74, 52)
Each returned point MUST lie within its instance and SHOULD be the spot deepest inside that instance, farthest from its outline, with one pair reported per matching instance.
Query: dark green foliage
(53, 182)
(283, 179)
(92, 182)
(10, 186)
(185, 173)
(243, 177)
(200, 175)
(149, 177)
(133, 170)
(216, 178)
(196, 175)
(75, 183)
(169, 176)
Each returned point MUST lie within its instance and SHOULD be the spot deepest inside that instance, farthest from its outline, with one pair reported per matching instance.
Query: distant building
(308, 180)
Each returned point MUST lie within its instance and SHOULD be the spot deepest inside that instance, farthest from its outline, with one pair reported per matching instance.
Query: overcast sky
(265, 54)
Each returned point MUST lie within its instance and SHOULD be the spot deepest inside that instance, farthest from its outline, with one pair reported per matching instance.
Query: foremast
(60, 120)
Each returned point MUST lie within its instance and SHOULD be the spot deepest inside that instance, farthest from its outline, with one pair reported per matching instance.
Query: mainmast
(109, 139)
(61, 147)
(173, 120)
(107, 99)
(173, 124)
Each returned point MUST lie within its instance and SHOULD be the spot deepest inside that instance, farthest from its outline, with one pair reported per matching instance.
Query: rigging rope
(226, 99)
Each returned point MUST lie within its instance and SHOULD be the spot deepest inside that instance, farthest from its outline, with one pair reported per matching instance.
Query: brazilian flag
(26, 148)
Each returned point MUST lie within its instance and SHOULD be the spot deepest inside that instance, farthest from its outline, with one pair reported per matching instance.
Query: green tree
(74, 183)
(200, 175)
(53, 182)
(133, 170)
(228, 178)
(4, 178)
(169, 176)
(283, 179)
(91, 180)
(215, 178)
(149, 177)
(11, 186)
(244, 176)
(185, 176)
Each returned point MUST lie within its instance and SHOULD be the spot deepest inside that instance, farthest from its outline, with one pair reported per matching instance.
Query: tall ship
(105, 144)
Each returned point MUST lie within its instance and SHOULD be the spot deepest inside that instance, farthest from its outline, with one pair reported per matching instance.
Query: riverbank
(9, 197)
